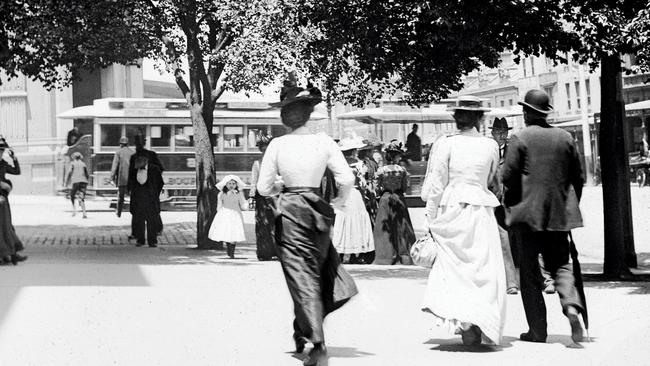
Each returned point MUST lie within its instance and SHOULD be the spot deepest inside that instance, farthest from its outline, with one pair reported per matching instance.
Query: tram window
(111, 136)
(132, 130)
(161, 137)
(216, 131)
(183, 137)
(233, 137)
(254, 132)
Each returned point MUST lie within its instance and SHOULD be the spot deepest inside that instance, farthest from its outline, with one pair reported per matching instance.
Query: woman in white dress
(318, 284)
(466, 289)
(352, 234)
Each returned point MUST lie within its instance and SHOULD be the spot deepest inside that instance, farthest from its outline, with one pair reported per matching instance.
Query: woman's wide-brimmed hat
(263, 140)
(351, 143)
(3, 143)
(500, 124)
(228, 178)
(292, 94)
(76, 154)
(538, 101)
(394, 147)
(468, 103)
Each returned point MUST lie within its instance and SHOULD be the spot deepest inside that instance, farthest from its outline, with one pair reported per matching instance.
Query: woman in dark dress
(317, 282)
(264, 211)
(393, 231)
(10, 244)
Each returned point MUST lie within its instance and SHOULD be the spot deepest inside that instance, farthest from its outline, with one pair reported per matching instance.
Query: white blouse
(462, 169)
(299, 159)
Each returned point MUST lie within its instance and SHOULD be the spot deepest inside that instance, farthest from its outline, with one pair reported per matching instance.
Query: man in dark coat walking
(145, 184)
(541, 167)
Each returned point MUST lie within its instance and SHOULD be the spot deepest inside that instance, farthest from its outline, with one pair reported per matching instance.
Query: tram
(166, 124)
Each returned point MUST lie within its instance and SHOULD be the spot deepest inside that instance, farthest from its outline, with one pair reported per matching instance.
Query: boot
(15, 258)
(316, 355)
(230, 249)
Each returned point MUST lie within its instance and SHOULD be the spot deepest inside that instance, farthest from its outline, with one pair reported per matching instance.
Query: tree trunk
(206, 192)
(619, 238)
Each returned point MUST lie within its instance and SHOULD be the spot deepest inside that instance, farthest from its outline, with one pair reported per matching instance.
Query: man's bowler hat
(538, 101)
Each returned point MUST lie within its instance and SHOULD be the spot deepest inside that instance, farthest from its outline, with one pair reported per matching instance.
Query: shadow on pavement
(456, 345)
(335, 352)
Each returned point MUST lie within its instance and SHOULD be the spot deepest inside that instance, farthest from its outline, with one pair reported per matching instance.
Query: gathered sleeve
(15, 170)
(437, 177)
(340, 170)
(268, 172)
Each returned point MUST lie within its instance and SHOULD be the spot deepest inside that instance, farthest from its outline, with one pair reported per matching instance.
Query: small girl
(228, 223)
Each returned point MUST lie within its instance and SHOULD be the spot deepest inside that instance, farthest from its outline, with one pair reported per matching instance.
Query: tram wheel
(640, 177)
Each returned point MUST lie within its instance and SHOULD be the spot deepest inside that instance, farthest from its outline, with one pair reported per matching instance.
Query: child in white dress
(228, 223)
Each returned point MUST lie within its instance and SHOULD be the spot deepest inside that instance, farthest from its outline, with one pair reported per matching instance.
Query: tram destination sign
(173, 180)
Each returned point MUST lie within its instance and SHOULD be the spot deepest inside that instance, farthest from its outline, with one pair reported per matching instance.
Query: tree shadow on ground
(335, 352)
(456, 345)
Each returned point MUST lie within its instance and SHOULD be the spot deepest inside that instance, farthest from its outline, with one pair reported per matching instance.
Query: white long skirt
(228, 226)
(352, 233)
(467, 283)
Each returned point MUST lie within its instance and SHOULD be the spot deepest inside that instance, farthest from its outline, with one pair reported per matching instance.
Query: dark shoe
(530, 337)
(472, 336)
(316, 355)
(576, 327)
(300, 343)
(230, 250)
(154, 245)
(131, 237)
(5, 260)
(15, 258)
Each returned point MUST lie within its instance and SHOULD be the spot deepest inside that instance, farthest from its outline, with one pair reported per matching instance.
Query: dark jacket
(541, 166)
(154, 174)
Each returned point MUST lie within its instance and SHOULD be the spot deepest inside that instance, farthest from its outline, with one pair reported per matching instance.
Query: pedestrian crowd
(492, 205)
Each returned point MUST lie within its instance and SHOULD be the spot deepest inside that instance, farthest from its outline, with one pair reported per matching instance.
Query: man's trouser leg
(138, 226)
(531, 284)
(508, 262)
(121, 190)
(556, 251)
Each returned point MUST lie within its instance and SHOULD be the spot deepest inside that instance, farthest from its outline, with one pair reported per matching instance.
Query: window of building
(161, 138)
(503, 103)
(233, 138)
(489, 104)
(110, 136)
(588, 87)
(510, 102)
(577, 85)
(532, 66)
(549, 91)
(183, 138)
(568, 95)
(523, 64)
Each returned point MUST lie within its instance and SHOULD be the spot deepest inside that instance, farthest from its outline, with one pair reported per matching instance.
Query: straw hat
(228, 178)
(468, 103)
(351, 143)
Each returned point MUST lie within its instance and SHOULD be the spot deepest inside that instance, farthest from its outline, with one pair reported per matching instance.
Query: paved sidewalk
(88, 297)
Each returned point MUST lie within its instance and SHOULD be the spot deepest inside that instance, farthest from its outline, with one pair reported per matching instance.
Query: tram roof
(644, 104)
(172, 108)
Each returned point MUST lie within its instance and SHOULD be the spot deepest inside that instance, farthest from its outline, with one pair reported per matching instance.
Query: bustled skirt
(265, 227)
(318, 284)
(393, 233)
(467, 282)
(352, 232)
(9, 242)
(227, 226)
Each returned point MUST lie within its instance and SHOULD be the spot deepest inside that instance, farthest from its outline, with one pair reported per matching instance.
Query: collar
(469, 132)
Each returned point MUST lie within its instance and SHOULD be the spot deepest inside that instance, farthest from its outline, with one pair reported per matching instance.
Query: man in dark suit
(541, 166)
(145, 184)
(414, 145)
